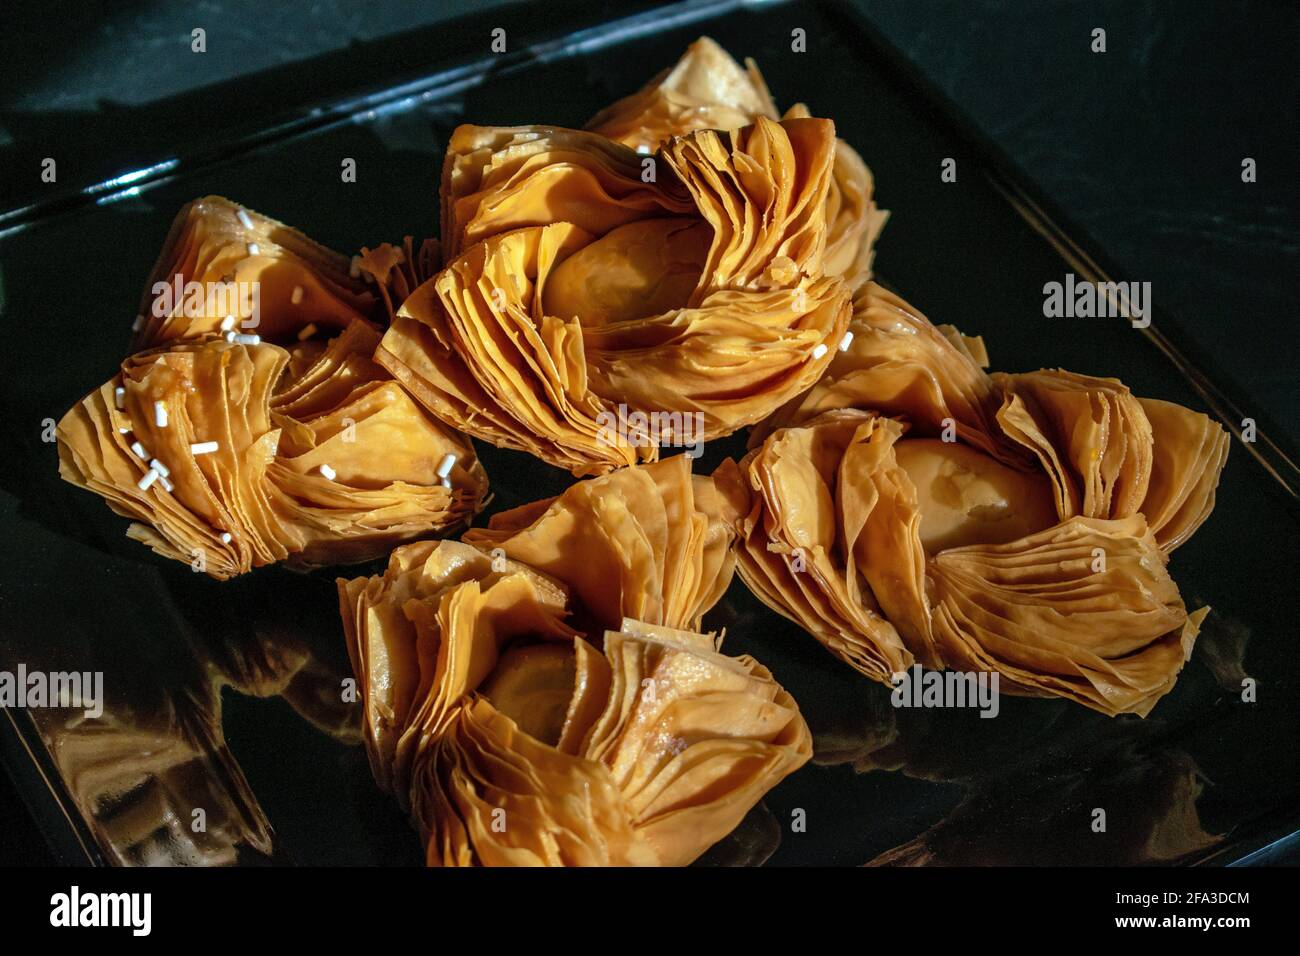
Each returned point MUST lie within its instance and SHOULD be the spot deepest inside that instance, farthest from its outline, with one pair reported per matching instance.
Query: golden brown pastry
(525, 717)
(229, 456)
(397, 271)
(227, 269)
(898, 363)
(595, 301)
(910, 508)
(707, 89)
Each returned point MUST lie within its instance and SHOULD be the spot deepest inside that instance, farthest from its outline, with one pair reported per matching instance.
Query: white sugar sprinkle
(159, 467)
(328, 472)
(160, 414)
(819, 351)
(124, 431)
(203, 447)
(227, 323)
(165, 483)
(446, 465)
(225, 537)
(247, 339)
(297, 295)
(446, 482)
(307, 332)
(119, 396)
(254, 249)
(245, 220)
(846, 341)
(139, 451)
(149, 478)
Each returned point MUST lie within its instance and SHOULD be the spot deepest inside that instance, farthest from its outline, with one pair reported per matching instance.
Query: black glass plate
(224, 698)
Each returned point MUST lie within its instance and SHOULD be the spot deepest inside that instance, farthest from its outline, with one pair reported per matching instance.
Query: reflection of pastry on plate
(138, 784)
(912, 508)
(525, 717)
(1049, 817)
(157, 754)
(151, 774)
(1222, 647)
(229, 456)
(267, 653)
(585, 284)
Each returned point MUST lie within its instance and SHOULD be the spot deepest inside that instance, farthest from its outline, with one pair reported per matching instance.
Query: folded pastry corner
(708, 89)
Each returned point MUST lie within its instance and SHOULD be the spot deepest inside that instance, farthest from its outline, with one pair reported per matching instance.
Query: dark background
(1141, 146)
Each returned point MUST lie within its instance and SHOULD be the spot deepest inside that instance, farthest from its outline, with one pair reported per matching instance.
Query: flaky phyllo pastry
(912, 508)
(596, 303)
(707, 89)
(229, 270)
(540, 694)
(218, 252)
(229, 455)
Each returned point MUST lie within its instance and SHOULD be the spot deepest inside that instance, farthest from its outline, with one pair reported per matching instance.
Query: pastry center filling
(532, 684)
(968, 498)
(641, 269)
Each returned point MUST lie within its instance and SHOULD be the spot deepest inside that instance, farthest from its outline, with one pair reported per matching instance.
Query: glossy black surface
(224, 696)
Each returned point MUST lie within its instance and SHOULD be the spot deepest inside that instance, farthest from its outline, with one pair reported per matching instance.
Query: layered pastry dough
(912, 508)
(668, 276)
(596, 303)
(540, 694)
(252, 425)
(228, 456)
(707, 89)
(216, 251)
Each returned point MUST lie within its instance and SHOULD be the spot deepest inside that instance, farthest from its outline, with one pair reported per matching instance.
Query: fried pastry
(224, 268)
(524, 717)
(912, 508)
(707, 89)
(597, 304)
(229, 456)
